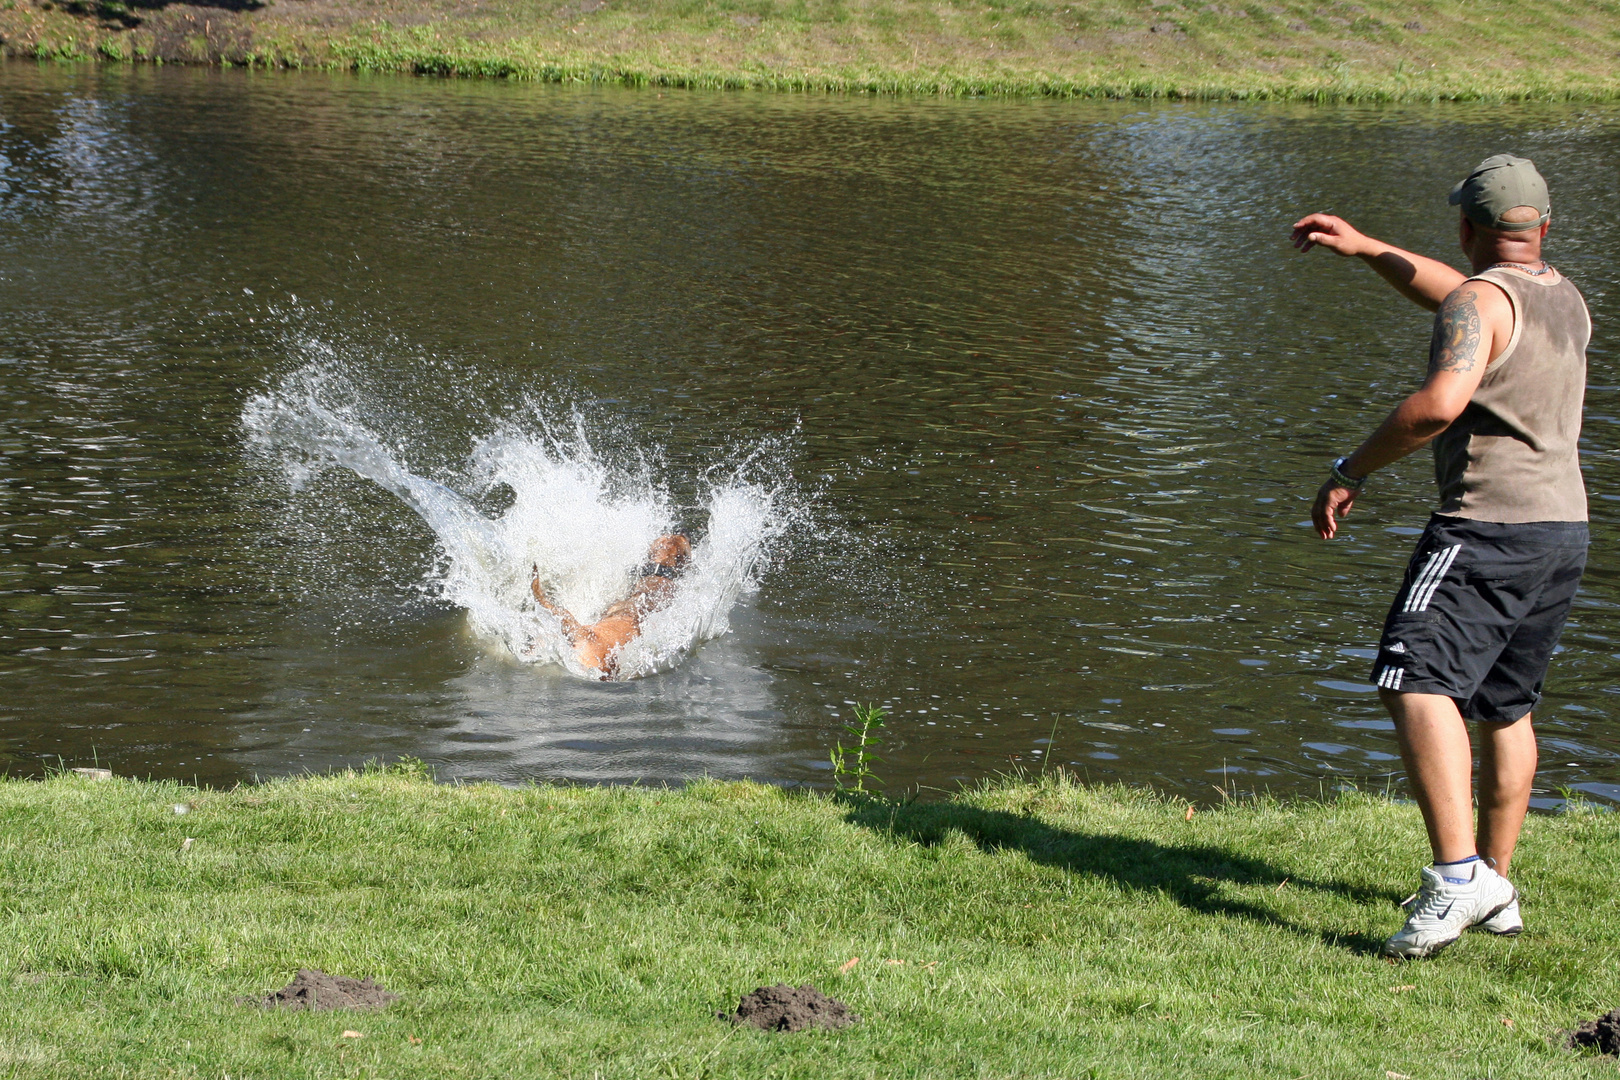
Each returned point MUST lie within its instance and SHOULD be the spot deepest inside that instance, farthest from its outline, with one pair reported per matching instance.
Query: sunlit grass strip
(1288, 50)
(384, 53)
(1022, 929)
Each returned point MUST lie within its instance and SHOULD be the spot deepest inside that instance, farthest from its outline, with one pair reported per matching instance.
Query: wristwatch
(1343, 479)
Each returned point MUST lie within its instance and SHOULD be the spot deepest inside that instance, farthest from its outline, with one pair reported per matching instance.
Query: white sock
(1460, 872)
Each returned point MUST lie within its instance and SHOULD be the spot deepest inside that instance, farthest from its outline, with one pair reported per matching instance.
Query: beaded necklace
(1546, 268)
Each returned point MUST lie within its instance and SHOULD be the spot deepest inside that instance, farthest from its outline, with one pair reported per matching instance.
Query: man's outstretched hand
(1333, 233)
(1333, 503)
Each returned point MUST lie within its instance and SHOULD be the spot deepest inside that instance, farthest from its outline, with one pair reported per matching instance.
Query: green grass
(1316, 50)
(1029, 930)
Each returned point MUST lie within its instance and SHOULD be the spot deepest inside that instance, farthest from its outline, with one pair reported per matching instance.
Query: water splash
(584, 523)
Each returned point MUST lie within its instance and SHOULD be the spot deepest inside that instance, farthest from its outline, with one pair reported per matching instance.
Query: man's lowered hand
(1333, 503)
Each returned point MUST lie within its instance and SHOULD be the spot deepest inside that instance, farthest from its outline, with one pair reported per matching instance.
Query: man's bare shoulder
(1475, 313)
(1481, 292)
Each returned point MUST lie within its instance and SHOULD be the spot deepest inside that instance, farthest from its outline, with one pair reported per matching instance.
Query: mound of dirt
(321, 992)
(1602, 1033)
(789, 1008)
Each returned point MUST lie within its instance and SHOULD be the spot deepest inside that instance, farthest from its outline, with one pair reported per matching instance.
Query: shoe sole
(1505, 933)
(1435, 950)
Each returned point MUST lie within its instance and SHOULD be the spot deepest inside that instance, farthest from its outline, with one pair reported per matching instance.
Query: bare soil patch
(1602, 1033)
(320, 992)
(790, 1008)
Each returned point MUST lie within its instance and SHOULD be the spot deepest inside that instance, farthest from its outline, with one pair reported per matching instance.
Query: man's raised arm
(1425, 282)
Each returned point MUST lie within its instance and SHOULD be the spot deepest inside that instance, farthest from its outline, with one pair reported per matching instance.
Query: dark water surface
(1054, 383)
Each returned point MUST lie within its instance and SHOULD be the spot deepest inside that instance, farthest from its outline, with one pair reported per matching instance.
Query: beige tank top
(1512, 456)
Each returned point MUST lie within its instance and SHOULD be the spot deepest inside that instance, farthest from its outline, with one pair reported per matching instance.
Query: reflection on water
(484, 714)
(1061, 385)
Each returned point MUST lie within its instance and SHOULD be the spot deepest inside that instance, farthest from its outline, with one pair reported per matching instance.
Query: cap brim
(1455, 198)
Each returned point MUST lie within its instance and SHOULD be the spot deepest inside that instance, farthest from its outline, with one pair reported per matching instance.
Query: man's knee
(1405, 702)
(1515, 726)
(1407, 707)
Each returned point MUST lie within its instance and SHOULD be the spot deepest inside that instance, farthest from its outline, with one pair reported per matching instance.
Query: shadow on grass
(1191, 874)
(127, 13)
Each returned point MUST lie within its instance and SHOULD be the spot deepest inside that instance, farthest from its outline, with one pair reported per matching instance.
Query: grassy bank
(1024, 930)
(1276, 49)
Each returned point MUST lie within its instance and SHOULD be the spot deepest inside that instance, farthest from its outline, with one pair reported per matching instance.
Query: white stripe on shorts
(1439, 576)
(1390, 677)
(1434, 571)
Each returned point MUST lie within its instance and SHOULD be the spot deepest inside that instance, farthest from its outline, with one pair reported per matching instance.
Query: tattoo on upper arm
(1456, 334)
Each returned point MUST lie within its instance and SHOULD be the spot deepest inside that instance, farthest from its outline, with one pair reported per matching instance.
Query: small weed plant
(852, 765)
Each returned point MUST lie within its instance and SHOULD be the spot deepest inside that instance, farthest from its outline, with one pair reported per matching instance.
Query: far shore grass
(1023, 929)
(1310, 50)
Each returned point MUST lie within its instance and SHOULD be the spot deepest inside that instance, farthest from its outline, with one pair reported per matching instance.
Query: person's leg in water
(594, 644)
(571, 627)
(597, 645)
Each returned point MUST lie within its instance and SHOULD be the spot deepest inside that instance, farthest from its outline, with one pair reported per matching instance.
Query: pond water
(1035, 393)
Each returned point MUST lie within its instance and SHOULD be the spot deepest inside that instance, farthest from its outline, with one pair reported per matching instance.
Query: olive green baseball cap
(1497, 185)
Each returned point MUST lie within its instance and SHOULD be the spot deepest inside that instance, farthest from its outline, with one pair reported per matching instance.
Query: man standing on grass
(1487, 591)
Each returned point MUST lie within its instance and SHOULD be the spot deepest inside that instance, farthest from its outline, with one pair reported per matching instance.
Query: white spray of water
(585, 524)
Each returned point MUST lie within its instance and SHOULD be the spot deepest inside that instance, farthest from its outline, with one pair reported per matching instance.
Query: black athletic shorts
(1480, 611)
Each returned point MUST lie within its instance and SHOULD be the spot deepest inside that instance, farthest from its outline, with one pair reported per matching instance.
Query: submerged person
(597, 644)
(1494, 575)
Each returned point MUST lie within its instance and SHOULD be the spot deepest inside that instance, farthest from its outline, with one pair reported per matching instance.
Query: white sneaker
(1443, 910)
(1505, 923)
